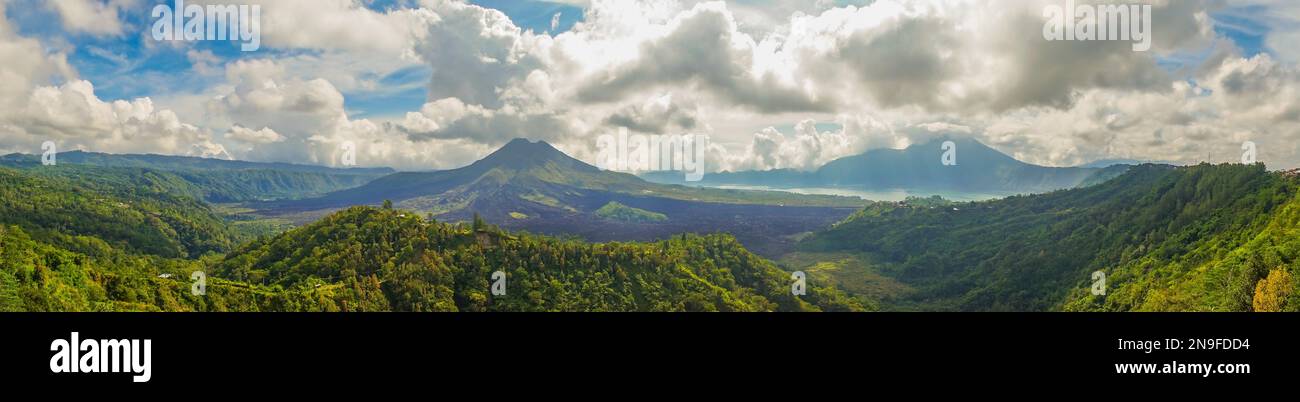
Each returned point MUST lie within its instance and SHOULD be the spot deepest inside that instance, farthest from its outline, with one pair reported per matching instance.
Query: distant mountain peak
(522, 153)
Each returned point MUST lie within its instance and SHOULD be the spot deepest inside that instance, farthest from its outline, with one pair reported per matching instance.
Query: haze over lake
(876, 195)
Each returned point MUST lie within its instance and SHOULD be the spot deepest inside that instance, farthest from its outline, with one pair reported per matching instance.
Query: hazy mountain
(979, 169)
(1105, 163)
(215, 180)
(533, 186)
(170, 162)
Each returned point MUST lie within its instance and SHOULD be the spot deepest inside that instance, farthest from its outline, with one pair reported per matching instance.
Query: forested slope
(127, 239)
(212, 180)
(421, 265)
(138, 210)
(1193, 238)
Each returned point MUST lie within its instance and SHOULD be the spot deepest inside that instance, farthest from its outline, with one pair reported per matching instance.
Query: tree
(1272, 292)
(478, 223)
(9, 300)
(388, 204)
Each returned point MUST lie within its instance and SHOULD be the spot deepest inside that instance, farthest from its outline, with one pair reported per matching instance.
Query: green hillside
(139, 210)
(212, 180)
(421, 265)
(128, 239)
(1198, 238)
(619, 212)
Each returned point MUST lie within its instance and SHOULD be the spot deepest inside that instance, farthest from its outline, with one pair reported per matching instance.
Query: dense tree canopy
(429, 266)
(126, 239)
(1192, 238)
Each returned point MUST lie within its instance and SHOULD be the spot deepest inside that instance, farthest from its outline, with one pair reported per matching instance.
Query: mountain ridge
(212, 180)
(978, 169)
(1194, 238)
(533, 186)
(173, 162)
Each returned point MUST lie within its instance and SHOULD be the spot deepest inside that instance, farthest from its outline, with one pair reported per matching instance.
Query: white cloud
(1239, 100)
(26, 65)
(304, 120)
(334, 25)
(807, 147)
(33, 110)
(73, 117)
(247, 135)
(95, 17)
(891, 73)
(657, 115)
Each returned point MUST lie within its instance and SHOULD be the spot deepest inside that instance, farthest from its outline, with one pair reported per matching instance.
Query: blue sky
(1244, 26)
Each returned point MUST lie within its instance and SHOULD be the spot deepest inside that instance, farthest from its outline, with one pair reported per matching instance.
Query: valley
(124, 233)
(534, 187)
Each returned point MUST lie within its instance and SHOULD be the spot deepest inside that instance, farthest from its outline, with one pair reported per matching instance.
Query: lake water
(875, 195)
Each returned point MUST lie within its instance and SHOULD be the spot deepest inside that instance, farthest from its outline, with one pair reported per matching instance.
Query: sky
(437, 84)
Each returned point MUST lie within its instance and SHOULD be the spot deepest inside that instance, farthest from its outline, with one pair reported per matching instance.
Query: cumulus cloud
(703, 51)
(656, 115)
(449, 118)
(808, 147)
(475, 52)
(96, 17)
(35, 107)
(890, 73)
(304, 120)
(26, 65)
(72, 116)
(333, 25)
(247, 135)
(913, 61)
(1240, 99)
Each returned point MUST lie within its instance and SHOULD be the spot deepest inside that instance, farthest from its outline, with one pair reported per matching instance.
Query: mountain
(979, 169)
(368, 259)
(170, 162)
(1105, 163)
(1198, 238)
(216, 180)
(533, 186)
(127, 239)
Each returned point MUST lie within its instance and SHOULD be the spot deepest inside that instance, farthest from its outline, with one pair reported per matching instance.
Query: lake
(874, 195)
